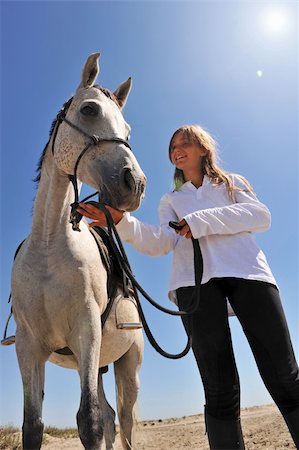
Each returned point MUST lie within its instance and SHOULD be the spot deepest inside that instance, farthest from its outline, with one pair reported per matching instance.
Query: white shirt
(224, 229)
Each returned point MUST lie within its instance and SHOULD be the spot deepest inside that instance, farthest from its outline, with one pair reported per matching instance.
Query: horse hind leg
(127, 383)
(108, 416)
(32, 366)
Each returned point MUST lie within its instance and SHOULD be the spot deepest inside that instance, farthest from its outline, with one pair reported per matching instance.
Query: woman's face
(185, 154)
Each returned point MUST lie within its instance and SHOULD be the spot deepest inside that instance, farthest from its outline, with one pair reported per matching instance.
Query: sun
(276, 21)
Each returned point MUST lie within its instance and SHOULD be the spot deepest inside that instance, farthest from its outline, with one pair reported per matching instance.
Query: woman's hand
(185, 231)
(99, 218)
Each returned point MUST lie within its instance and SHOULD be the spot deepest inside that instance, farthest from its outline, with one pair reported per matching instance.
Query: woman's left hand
(185, 231)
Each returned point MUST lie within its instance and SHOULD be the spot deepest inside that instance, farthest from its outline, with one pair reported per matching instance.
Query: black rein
(119, 251)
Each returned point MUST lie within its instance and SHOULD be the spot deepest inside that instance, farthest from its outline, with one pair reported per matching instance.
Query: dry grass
(11, 437)
(61, 432)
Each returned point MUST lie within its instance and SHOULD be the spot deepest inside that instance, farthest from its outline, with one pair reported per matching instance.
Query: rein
(124, 264)
(118, 248)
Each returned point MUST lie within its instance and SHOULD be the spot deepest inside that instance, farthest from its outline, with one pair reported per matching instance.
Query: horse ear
(122, 92)
(90, 71)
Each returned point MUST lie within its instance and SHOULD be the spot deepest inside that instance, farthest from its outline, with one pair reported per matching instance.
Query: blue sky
(231, 66)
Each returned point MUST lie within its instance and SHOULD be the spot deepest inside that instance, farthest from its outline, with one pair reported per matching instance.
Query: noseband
(75, 217)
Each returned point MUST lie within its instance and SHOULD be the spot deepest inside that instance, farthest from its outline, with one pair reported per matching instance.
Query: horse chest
(62, 271)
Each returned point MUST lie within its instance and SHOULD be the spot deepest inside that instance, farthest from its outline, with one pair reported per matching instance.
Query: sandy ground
(263, 428)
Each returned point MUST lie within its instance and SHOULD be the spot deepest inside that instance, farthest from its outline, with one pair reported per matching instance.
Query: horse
(59, 283)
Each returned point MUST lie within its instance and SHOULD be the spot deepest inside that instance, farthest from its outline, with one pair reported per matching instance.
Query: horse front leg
(32, 366)
(86, 346)
(127, 383)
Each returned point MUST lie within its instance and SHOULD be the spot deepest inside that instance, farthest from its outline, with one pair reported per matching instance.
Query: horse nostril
(128, 179)
(142, 187)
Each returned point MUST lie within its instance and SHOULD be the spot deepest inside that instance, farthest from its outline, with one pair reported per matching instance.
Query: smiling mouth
(179, 158)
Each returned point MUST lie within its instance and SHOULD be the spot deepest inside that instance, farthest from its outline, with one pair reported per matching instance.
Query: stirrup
(8, 340)
(129, 325)
(126, 314)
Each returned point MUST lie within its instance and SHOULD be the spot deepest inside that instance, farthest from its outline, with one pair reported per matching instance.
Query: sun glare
(276, 21)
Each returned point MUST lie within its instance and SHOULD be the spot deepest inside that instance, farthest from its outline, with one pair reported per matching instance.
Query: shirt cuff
(123, 225)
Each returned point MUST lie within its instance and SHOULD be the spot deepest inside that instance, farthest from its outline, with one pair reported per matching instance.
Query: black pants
(258, 308)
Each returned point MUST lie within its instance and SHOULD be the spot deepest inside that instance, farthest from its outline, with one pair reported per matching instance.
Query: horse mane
(63, 112)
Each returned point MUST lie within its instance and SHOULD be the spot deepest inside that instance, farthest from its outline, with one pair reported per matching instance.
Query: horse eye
(89, 110)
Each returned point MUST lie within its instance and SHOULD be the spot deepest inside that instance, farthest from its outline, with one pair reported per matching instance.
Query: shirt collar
(189, 186)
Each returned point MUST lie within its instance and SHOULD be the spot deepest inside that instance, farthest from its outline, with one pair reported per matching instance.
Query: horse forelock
(108, 94)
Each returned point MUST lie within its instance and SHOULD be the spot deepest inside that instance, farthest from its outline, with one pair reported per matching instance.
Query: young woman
(222, 211)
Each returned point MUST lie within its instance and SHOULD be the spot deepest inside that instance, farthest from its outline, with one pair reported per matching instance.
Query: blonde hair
(209, 162)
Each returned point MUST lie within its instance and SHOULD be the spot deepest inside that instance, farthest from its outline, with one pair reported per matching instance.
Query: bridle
(94, 139)
(118, 248)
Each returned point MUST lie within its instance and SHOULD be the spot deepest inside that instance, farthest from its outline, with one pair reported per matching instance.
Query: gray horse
(58, 280)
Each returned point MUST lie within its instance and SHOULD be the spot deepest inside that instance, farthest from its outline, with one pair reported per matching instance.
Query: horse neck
(52, 204)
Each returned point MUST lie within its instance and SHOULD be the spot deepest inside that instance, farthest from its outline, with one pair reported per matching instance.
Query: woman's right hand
(185, 230)
(99, 218)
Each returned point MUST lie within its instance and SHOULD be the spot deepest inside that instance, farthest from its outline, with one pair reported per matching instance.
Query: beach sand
(263, 428)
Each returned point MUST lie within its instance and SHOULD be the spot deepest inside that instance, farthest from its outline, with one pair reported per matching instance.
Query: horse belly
(115, 343)
(116, 340)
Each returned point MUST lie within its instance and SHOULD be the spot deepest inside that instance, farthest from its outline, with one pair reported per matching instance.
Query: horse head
(94, 123)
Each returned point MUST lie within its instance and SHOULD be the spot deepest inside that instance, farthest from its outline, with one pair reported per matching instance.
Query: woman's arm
(247, 214)
(153, 240)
